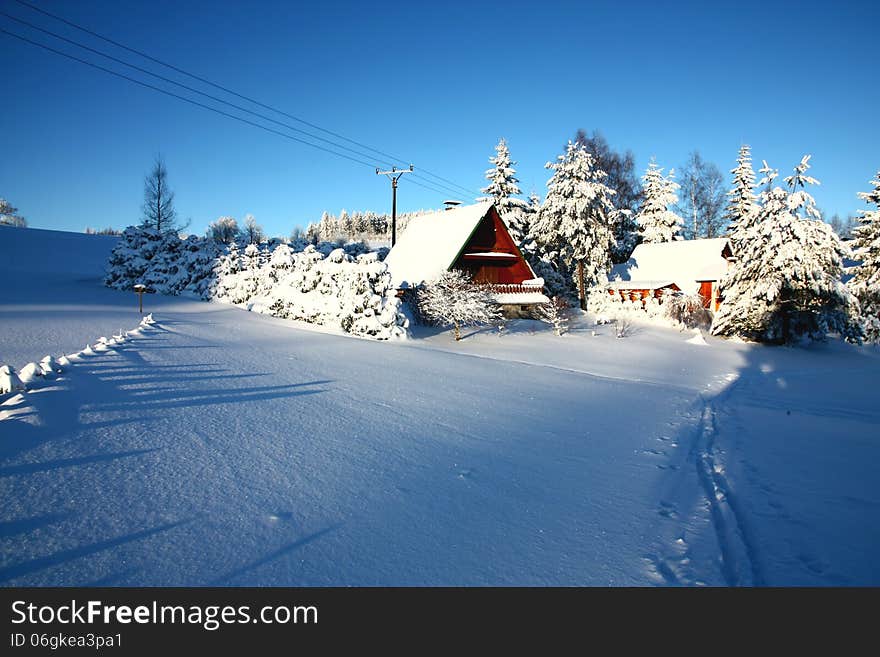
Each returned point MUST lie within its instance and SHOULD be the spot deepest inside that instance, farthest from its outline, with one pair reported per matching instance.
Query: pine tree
(327, 226)
(742, 206)
(865, 283)
(346, 228)
(503, 189)
(786, 282)
(577, 217)
(657, 222)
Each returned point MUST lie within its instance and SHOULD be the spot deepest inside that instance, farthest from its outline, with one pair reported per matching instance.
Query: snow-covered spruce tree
(454, 300)
(786, 283)
(132, 257)
(742, 204)
(865, 283)
(577, 217)
(657, 222)
(503, 189)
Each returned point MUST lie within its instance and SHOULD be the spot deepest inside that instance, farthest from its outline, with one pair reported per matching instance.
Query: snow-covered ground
(224, 447)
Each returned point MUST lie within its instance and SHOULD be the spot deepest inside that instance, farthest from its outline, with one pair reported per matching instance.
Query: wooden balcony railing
(515, 288)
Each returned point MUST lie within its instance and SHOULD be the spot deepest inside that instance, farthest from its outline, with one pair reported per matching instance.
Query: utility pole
(394, 175)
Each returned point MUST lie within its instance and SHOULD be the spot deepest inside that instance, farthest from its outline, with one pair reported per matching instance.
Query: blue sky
(434, 83)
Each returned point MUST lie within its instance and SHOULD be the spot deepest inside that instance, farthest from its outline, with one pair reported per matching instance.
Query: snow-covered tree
(657, 222)
(786, 282)
(224, 230)
(252, 231)
(865, 283)
(742, 204)
(554, 313)
(344, 224)
(9, 215)
(577, 217)
(455, 300)
(503, 189)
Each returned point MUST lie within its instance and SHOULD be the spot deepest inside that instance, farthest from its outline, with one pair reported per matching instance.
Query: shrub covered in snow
(347, 287)
(162, 261)
(672, 308)
(554, 313)
(352, 294)
(686, 310)
(454, 300)
(9, 381)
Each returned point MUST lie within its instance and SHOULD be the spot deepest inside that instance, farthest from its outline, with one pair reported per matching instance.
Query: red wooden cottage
(471, 238)
(691, 266)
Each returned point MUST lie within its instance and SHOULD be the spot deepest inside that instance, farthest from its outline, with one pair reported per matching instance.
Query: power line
(174, 82)
(243, 97)
(183, 98)
(206, 95)
(204, 106)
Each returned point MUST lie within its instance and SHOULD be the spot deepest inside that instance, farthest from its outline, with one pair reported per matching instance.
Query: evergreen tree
(786, 282)
(577, 217)
(345, 227)
(865, 283)
(327, 226)
(656, 221)
(503, 189)
(620, 167)
(742, 204)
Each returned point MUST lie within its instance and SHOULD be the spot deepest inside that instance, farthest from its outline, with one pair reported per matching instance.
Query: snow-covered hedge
(344, 288)
(353, 294)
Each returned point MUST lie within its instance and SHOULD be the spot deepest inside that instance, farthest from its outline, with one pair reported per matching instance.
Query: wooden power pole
(394, 175)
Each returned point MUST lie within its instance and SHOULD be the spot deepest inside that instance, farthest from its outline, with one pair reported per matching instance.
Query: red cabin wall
(491, 235)
(706, 293)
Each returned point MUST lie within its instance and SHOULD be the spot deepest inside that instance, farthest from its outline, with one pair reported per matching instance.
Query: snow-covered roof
(431, 242)
(521, 298)
(684, 262)
(640, 284)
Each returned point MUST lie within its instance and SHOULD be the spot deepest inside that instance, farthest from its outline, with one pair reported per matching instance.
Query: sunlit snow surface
(221, 447)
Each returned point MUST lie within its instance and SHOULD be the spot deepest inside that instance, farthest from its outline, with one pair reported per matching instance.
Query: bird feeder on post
(139, 290)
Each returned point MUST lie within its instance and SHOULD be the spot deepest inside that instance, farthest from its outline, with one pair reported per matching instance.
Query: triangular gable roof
(432, 242)
(684, 262)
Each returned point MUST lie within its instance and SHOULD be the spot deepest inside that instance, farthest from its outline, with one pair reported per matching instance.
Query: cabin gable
(490, 255)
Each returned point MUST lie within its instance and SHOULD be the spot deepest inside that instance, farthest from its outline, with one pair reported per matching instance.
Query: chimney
(451, 204)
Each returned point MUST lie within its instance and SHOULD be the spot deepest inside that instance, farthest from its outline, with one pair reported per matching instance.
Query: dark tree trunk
(582, 295)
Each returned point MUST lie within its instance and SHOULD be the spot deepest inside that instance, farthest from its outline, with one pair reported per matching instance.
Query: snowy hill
(223, 447)
(40, 252)
(53, 299)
